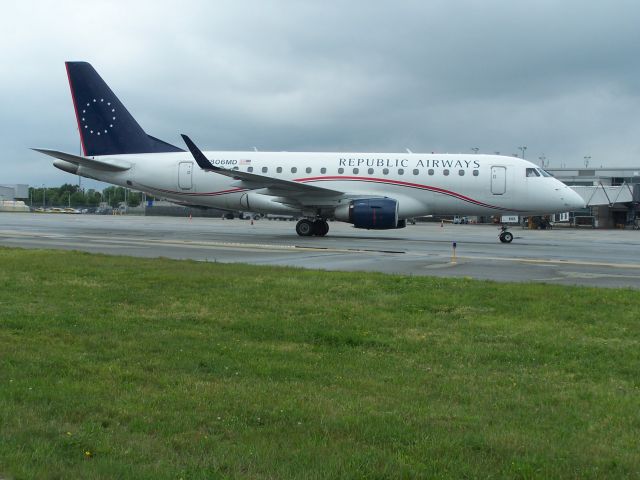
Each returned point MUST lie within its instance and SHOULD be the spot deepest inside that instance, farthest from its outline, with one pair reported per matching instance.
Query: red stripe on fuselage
(194, 194)
(385, 181)
(400, 183)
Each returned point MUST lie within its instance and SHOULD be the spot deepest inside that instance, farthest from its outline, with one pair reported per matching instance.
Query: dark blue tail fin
(106, 127)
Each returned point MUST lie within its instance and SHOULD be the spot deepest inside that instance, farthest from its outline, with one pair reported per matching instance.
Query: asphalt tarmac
(600, 258)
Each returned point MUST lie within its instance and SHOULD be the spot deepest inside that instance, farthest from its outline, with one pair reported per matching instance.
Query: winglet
(199, 157)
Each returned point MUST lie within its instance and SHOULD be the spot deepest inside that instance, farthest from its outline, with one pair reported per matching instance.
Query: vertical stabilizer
(106, 126)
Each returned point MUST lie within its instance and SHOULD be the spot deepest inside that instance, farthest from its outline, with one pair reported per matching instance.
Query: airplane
(375, 191)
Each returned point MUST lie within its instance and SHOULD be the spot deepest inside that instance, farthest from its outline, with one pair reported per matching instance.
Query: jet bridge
(600, 194)
(612, 206)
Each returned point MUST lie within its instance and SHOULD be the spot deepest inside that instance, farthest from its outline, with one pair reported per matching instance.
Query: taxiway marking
(558, 262)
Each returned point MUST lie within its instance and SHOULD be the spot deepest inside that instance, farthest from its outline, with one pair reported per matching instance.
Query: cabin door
(498, 180)
(184, 175)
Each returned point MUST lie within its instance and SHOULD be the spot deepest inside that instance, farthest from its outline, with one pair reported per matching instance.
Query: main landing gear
(308, 228)
(505, 236)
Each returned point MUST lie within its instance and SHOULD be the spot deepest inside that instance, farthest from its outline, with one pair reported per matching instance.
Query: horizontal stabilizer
(108, 166)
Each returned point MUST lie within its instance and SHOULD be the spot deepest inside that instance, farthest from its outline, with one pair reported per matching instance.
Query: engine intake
(370, 213)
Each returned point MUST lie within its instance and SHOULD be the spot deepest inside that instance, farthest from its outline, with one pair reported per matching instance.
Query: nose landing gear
(505, 236)
(308, 228)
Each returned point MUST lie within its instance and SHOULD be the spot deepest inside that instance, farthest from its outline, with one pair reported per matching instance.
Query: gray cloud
(559, 77)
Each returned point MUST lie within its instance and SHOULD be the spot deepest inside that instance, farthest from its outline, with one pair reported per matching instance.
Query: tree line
(69, 195)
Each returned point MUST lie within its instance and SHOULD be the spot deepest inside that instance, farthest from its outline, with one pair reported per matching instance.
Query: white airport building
(612, 195)
(12, 197)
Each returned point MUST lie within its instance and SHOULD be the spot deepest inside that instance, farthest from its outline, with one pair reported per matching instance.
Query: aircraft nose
(573, 200)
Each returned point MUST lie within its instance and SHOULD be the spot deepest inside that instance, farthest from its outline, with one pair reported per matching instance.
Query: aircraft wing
(110, 166)
(274, 186)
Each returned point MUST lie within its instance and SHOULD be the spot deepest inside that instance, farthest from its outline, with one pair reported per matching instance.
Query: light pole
(586, 161)
(44, 196)
(522, 149)
(542, 159)
(475, 150)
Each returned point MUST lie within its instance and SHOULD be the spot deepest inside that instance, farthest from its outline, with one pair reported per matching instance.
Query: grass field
(114, 367)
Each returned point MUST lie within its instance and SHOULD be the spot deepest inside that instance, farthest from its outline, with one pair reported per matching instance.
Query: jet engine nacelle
(371, 213)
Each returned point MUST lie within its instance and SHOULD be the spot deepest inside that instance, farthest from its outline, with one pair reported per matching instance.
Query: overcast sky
(561, 77)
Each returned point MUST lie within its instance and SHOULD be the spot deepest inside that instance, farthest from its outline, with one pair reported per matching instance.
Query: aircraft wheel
(506, 237)
(304, 228)
(320, 228)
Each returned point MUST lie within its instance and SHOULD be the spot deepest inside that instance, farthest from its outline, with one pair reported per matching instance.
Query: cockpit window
(545, 173)
(532, 172)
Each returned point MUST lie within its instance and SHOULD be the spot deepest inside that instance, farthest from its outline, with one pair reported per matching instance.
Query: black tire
(304, 228)
(321, 228)
(507, 237)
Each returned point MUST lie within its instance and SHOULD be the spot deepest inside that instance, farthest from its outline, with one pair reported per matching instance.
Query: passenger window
(400, 171)
(308, 170)
(445, 172)
(385, 171)
(532, 172)
(250, 169)
(341, 170)
(265, 169)
(323, 170)
(279, 169)
(294, 169)
(416, 171)
(355, 171)
(476, 173)
(430, 171)
(370, 171)
(461, 173)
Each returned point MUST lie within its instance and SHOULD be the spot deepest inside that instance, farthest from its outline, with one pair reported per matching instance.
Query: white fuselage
(423, 184)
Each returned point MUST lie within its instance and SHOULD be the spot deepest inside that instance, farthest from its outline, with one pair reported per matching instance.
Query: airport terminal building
(12, 197)
(11, 192)
(612, 195)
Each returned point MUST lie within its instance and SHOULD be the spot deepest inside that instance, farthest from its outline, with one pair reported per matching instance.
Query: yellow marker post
(453, 254)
